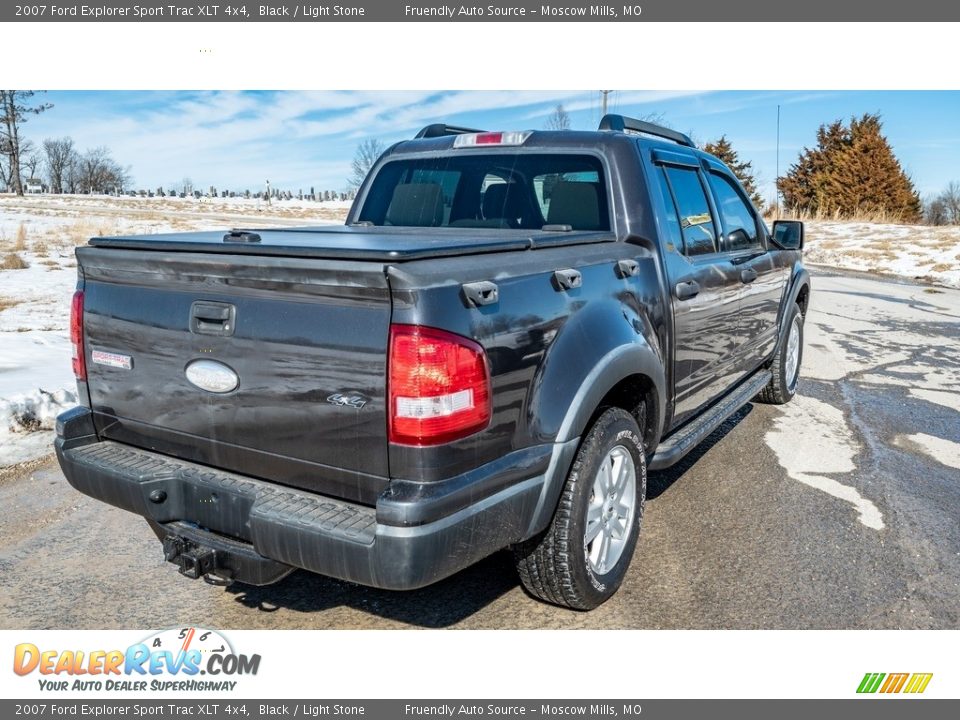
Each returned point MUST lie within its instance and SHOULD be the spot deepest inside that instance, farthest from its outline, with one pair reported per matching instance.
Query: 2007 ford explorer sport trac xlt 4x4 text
(510, 329)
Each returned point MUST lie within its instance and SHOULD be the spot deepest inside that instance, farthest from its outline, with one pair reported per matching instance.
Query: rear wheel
(786, 363)
(581, 559)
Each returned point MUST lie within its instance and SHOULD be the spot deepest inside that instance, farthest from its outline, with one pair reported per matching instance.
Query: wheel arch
(630, 377)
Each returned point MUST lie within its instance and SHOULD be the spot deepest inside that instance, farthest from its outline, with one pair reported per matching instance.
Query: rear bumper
(257, 532)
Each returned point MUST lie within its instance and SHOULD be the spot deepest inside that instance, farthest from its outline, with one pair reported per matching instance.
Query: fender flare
(799, 281)
(637, 358)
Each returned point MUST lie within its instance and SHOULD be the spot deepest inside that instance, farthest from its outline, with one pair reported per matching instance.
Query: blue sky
(301, 139)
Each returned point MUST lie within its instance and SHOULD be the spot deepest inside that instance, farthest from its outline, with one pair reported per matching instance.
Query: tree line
(852, 172)
(67, 168)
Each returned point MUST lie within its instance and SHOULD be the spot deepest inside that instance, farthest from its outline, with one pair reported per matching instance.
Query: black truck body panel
(278, 471)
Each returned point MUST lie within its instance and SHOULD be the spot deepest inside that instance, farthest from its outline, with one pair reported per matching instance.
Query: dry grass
(947, 241)
(886, 218)
(40, 249)
(941, 267)
(870, 255)
(12, 261)
(81, 231)
(20, 242)
(6, 303)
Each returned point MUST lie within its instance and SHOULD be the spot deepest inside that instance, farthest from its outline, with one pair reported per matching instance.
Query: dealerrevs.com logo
(178, 659)
(910, 683)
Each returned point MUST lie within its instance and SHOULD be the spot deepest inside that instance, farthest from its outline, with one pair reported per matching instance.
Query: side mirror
(788, 234)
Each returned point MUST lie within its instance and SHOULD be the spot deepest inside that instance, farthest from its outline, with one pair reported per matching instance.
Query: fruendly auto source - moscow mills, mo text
(499, 11)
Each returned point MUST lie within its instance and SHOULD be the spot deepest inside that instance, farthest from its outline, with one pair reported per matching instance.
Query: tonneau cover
(359, 242)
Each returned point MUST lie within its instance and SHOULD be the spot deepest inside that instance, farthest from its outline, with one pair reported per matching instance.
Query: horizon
(236, 140)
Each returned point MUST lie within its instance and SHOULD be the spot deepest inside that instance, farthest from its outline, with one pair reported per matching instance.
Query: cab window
(738, 219)
(696, 222)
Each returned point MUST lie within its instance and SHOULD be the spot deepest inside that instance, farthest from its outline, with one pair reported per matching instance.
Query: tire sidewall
(615, 427)
(787, 389)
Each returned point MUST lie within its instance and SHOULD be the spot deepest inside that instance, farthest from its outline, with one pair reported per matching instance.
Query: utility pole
(603, 101)
(776, 184)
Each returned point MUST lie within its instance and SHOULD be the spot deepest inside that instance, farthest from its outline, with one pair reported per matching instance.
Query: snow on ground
(916, 252)
(40, 233)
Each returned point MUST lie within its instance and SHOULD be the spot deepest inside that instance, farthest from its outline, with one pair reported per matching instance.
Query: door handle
(687, 289)
(212, 318)
(748, 275)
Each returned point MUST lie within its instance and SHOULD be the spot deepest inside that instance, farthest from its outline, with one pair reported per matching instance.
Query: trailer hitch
(193, 560)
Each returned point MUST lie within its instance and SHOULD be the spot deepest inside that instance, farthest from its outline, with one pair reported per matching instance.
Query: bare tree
(935, 213)
(98, 172)
(30, 159)
(15, 107)
(559, 119)
(944, 209)
(951, 200)
(4, 171)
(60, 159)
(368, 152)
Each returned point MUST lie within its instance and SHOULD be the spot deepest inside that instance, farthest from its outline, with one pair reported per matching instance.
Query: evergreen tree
(852, 170)
(723, 151)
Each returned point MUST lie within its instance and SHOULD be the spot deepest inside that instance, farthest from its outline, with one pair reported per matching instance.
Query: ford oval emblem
(212, 376)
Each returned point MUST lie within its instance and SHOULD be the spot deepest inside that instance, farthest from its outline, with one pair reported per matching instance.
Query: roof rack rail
(442, 130)
(620, 123)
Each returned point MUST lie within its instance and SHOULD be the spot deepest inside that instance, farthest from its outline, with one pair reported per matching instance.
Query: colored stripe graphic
(870, 682)
(918, 683)
(894, 682)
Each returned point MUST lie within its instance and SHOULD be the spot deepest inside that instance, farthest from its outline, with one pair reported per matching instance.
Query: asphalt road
(839, 510)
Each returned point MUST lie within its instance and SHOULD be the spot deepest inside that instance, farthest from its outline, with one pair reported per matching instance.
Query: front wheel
(786, 363)
(581, 559)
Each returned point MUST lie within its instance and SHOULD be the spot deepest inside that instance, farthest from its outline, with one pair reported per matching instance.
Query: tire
(560, 566)
(786, 372)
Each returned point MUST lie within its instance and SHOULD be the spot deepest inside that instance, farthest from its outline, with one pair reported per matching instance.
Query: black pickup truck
(508, 332)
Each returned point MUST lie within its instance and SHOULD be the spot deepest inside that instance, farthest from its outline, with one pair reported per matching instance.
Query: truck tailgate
(306, 338)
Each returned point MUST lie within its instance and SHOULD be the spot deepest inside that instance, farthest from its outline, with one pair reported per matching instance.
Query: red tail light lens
(76, 336)
(439, 386)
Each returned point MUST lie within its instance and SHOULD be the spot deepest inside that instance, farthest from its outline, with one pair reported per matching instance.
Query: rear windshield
(468, 190)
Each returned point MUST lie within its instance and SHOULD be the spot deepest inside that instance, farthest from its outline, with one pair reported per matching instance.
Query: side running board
(672, 449)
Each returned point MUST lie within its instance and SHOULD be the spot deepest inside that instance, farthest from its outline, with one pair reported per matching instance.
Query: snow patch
(23, 419)
(945, 452)
(36, 410)
(947, 399)
(910, 251)
(812, 439)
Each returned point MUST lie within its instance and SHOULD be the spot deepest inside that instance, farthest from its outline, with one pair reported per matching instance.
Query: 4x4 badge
(354, 401)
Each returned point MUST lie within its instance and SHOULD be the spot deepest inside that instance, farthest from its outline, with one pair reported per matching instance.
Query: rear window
(467, 190)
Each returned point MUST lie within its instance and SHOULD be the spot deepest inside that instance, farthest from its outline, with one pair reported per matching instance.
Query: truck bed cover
(345, 242)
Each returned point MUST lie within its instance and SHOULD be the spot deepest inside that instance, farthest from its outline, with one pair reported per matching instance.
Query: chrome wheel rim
(793, 353)
(611, 510)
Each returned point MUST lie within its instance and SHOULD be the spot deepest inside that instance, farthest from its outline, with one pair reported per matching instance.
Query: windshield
(466, 190)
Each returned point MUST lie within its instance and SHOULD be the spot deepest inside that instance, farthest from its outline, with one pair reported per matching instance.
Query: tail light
(76, 336)
(439, 386)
